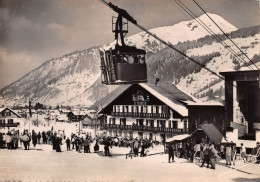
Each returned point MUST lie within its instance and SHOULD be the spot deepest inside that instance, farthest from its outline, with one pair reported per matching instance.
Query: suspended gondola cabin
(123, 64)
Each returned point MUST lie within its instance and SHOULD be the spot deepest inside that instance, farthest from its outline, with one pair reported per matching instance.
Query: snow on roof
(79, 113)
(178, 138)
(62, 117)
(167, 93)
(170, 95)
(204, 104)
(3, 108)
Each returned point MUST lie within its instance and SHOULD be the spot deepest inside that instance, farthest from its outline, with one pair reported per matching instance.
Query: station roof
(251, 75)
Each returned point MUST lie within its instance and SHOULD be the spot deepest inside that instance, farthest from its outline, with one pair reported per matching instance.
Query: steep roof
(167, 93)
(4, 108)
(212, 132)
(170, 95)
(177, 138)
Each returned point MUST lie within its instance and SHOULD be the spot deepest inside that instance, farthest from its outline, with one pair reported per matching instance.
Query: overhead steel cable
(118, 10)
(225, 34)
(164, 42)
(197, 19)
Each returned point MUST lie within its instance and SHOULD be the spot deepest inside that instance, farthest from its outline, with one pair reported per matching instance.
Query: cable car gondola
(123, 64)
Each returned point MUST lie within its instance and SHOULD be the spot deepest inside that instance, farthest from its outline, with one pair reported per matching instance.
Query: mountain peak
(74, 78)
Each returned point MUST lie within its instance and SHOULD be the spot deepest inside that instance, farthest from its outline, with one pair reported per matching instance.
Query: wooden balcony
(141, 115)
(9, 124)
(143, 128)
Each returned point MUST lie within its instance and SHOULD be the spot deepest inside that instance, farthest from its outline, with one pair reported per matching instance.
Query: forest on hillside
(169, 66)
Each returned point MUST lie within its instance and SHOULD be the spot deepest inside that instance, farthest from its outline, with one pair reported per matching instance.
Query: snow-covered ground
(44, 164)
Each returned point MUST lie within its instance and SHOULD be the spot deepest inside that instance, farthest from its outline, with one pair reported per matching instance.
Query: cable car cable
(225, 34)
(167, 44)
(226, 46)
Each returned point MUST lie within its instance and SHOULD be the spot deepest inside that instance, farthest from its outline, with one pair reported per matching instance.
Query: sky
(34, 31)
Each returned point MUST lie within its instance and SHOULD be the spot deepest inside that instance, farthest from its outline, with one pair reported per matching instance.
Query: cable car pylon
(124, 64)
(129, 18)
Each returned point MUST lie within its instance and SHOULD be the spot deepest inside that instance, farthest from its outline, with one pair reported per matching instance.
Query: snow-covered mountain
(74, 78)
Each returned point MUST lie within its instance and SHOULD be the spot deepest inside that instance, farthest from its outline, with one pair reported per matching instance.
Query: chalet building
(62, 118)
(76, 116)
(242, 103)
(206, 113)
(150, 111)
(88, 122)
(8, 119)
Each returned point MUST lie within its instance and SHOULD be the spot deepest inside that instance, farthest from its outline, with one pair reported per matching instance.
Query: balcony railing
(141, 115)
(143, 128)
(9, 124)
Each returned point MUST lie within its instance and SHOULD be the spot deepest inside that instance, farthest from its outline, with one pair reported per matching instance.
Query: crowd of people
(206, 153)
(209, 153)
(79, 143)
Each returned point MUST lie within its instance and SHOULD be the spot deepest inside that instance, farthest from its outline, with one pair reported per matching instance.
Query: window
(185, 124)
(130, 109)
(125, 108)
(157, 109)
(139, 92)
(161, 123)
(175, 124)
(10, 121)
(0, 121)
(8, 114)
(141, 109)
(140, 122)
(169, 123)
(122, 121)
(112, 121)
(152, 123)
(117, 109)
(135, 109)
(164, 109)
(154, 109)
(120, 133)
(149, 109)
(114, 108)
(145, 109)
(160, 109)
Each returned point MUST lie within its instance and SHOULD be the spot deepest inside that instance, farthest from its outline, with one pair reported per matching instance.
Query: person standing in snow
(68, 144)
(34, 139)
(73, 142)
(96, 147)
(85, 145)
(205, 155)
(213, 156)
(228, 154)
(58, 144)
(136, 147)
(243, 152)
(171, 153)
(8, 140)
(80, 141)
(39, 138)
(25, 138)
